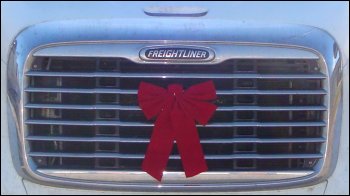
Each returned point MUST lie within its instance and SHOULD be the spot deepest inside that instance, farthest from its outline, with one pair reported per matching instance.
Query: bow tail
(188, 143)
(159, 148)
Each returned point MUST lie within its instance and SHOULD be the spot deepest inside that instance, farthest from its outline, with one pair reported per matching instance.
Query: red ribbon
(176, 111)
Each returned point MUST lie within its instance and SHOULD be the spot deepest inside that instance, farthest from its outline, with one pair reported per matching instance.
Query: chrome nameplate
(177, 53)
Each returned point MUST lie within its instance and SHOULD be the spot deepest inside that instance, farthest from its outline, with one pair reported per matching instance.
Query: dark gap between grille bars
(241, 140)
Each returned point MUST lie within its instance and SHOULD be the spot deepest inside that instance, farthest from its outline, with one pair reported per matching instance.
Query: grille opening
(244, 148)
(107, 98)
(263, 100)
(245, 68)
(106, 146)
(77, 147)
(107, 114)
(43, 146)
(46, 113)
(107, 82)
(43, 162)
(138, 116)
(76, 163)
(128, 99)
(106, 163)
(72, 64)
(46, 82)
(245, 115)
(213, 149)
(245, 164)
(78, 98)
(259, 137)
(77, 131)
(245, 131)
(174, 165)
(107, 131)
(128, 66)
(307, 100)
(45, 97)
(124, 65)
(67, 98)
(289, 84)
(78, 115)
(298, 100)
(204, 132)
(245, 83)
(108, 65)
(41, 64)
(77, 82)
(277, 164)
(221, 133)
(140, 148)
(245, 99)
(133, 83)
(223, 100)
(298, 132)
(289, 66)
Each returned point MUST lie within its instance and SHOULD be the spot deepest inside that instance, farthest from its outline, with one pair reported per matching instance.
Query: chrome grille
(82, 113)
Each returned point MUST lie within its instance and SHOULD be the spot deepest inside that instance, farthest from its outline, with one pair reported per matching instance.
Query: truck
(174, 97)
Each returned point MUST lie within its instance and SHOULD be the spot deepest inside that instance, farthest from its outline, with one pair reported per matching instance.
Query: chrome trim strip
(168, 75)
(227, 51)
(229, 39)
(175, 177)
(134, 92)
(177, 157)
(203, 141)
(137, 108)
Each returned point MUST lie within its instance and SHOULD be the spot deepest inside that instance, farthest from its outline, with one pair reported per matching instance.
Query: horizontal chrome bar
(174, 75)
(134, 92)
(140, 124)
(137, 108)
(175, 177)
(204, 141)
(84, 107)
(77, 90)
(209, 157)
(229, 51)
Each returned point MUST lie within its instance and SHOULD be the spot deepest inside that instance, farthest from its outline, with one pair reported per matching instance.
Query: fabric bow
(176, 110)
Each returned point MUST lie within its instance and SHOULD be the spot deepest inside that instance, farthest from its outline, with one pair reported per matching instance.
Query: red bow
(176, 111)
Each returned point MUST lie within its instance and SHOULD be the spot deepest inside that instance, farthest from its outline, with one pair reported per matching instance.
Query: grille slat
(138, 124)
(218, 92)
(143, 140)
(83, 113)
(137, 108)
(182, 75)
(210, 157)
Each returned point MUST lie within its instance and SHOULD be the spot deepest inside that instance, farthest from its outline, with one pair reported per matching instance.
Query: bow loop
(195, 101)
(151, 99)
(204, 91)
(200, 111)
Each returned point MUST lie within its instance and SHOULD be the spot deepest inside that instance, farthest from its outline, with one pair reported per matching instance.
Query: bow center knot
(175, 89)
